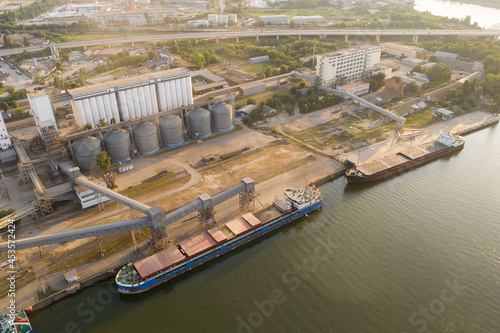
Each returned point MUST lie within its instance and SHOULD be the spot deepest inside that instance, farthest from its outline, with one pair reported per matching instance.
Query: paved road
(253, 33)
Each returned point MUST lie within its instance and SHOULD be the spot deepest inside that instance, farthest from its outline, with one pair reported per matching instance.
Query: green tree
(57, 82)
(14, 104)
(434, 58)
(377, 81)
(412, 87)
(65, 57)
(151, 55)
(87, 126)
(19, 113)
(26, 41)
(4, 106)
(103, 160)
(59, 66)
(293, 24)
(251, 100)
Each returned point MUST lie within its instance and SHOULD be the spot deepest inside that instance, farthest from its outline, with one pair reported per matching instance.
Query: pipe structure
(154, 219)
(365, 103)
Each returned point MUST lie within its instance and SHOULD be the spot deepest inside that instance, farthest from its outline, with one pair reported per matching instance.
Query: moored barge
(147, 273)
(445, 144)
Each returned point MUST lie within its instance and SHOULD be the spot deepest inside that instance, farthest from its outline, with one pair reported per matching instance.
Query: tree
(26, 41)
(87, 126)
(14, 104)
(412, 87)
(283, 69)
(65, 57)
(251, 100)
(293, 24)
(59, 66)
(103, 160)
(19, 113)
(231, 23)
(151, 55)
(434, 58)
(57, 82)
(377, 81)
(439, 73)
(4, 106)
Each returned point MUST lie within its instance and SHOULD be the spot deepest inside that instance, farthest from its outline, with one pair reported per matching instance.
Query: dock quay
(488, 122)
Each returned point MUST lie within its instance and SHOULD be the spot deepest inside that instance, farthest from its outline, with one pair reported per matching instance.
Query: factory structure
(131, 98)
(145, 135)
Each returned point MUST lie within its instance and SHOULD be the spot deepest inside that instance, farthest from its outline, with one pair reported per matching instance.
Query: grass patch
(49, 292)
(421, 119)
(255, 68)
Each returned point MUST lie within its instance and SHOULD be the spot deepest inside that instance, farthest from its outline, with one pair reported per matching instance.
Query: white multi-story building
(223, 19)
(233, 17)
(5, 142)
(213, 19)
(346, 65)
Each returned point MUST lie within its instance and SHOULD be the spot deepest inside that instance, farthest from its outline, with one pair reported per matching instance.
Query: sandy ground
(393, 146)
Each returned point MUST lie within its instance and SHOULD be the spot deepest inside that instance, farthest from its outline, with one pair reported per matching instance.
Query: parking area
(12, 76)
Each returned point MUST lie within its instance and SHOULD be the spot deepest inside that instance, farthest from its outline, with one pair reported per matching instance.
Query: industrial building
(446, 55)
(356, 88)
(347, 64)
(132, 98)
(307, 19)
(398, 50)
(274, 19)
(7, 152)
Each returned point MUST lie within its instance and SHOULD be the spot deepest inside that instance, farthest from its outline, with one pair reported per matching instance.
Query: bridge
(322, 33)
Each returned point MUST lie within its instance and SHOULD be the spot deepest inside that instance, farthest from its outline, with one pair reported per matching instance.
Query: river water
(415, 253)
(484, 16)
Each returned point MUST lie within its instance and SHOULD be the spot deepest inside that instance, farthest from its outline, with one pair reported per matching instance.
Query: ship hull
(402, 167)
(218, 250)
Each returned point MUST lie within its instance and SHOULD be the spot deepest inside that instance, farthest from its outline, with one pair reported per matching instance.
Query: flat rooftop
(128, 81)
(349, 50)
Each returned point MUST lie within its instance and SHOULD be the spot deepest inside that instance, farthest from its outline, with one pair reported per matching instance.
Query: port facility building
(132, 98)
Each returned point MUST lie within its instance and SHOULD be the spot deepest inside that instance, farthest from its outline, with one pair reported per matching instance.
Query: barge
(445, 144)
(145, 274)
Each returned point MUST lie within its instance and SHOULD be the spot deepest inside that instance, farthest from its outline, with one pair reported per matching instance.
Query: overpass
(322, 33)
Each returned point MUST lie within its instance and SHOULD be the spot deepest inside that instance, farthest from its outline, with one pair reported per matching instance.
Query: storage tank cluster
(118, 142)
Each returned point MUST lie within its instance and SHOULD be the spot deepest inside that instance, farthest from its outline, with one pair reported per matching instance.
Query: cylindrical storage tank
(118, 145)
(86, 150)
(199, 123)
(146, 138)
(171, 131)
(222, 117)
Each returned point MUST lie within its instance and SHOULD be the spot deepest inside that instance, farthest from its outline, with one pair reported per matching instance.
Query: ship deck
(395, 160)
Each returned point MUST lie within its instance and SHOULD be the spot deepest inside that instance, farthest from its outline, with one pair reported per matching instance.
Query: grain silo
(146, 138)
(199, 123)
(118, 145)
(222, 117)
(86, 150)
(171, 131)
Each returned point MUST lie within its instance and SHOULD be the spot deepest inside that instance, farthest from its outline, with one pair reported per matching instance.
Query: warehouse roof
(127, 81)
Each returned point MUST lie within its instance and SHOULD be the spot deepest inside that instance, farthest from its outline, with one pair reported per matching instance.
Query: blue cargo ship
(145, 274)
